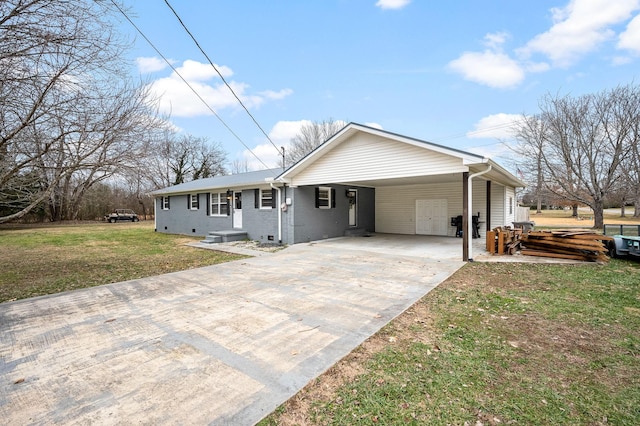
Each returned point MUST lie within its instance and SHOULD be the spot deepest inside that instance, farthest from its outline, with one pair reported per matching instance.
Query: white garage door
(431, 217)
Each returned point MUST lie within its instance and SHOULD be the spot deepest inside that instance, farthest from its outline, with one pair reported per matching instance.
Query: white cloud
(197, 71)
(579, 28)
(392, 4)
(178, 100)
(281, 134)
(496, 126)
(493, 69)
(630, 38)
(374, 125)
(494, 41)
(148, 65)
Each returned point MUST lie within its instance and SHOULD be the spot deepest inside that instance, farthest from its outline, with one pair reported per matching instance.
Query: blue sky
(456, 73)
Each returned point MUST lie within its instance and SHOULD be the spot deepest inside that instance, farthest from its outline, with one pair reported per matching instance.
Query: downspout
(155, 215)
(469, 229)
(279, 207)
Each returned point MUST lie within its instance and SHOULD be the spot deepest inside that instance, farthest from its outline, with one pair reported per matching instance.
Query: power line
(188, 84)
(221, 76)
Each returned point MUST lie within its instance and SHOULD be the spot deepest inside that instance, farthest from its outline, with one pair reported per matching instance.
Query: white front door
(352, 196)
(431, 217)
(237, 209)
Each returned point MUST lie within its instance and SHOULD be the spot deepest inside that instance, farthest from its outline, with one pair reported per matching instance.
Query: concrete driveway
(223, 344)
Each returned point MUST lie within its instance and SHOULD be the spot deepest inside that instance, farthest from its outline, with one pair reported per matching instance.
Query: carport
(417, 186)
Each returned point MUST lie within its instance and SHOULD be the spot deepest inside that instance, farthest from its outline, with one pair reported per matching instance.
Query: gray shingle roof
(220, 182)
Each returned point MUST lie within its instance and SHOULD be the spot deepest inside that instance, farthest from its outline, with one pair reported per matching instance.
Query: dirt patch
(257, 245)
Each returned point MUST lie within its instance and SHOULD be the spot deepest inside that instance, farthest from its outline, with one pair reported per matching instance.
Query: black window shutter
(197, 201)
(208, 204)
(273, 198)
(256, 198)
(317, 197)
(333, 198)
(188, 201)
(168, 203)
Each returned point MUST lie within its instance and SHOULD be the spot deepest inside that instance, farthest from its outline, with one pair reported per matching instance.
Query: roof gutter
(469, 230)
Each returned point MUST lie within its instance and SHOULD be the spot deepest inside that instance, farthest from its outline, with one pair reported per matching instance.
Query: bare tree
(631, 161)
(530, 132)
(583, 142)
(61, 116)
(180, 159)
(310, 137)
(239, 166)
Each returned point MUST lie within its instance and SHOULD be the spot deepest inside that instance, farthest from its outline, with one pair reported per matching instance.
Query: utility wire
(220, 74)
(188, 84)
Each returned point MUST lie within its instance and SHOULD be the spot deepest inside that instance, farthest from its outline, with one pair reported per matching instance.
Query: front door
(431, 217)
(352, 196)
(237, 209)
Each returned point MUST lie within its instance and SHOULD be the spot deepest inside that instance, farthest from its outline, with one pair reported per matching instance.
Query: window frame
(328, 199)
(218, 199)
(269, 193)
(164, 203)
(194, 202)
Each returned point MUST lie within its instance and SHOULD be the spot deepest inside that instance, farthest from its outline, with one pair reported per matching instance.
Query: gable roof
(248, 179)
(450, 160)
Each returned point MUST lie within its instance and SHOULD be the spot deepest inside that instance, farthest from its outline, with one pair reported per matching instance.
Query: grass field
(49, 259)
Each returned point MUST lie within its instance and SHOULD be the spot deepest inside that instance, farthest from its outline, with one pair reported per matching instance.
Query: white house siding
(498, 203)
(396, 205)
(368, 157)
(479, 203)
(510, 205)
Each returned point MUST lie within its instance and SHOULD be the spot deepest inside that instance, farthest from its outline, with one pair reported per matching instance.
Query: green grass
(43, 260)
(497, 344)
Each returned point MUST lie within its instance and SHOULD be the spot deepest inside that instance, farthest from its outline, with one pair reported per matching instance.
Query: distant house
(360, 180)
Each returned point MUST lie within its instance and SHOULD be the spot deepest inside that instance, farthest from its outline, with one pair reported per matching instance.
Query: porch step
(355, 232)
(225, 236)
(212, 239)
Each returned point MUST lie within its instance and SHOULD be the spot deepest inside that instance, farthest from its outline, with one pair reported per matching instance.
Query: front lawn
(40, 260)
(495, 344)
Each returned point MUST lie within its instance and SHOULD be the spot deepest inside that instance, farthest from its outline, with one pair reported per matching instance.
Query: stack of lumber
(576, 244)
(503, 240)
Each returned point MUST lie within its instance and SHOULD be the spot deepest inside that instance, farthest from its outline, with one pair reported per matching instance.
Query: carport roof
(473, 162)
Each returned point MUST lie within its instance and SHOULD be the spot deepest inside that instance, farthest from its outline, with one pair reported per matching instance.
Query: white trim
(270, 192)
(221, 201)
(191, 202)
(328, 197)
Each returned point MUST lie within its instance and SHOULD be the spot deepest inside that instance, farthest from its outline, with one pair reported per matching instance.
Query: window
(193, 202)
(266, 199)
(164, 203)
(325, 197)
(218, 204)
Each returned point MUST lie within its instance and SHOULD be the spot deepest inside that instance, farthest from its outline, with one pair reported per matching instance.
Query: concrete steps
(224, 236)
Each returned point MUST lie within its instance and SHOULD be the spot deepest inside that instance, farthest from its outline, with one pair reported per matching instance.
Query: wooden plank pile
(576, 244)
(503, 240)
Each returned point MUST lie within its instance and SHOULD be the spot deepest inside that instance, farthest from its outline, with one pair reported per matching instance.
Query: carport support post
(488, 215)
(465, 216)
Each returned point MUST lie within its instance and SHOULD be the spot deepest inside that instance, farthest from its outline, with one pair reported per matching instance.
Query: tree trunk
(575, 210)
(598, 213)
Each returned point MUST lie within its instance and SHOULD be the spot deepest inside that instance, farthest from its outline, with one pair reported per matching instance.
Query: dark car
(122, 214)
